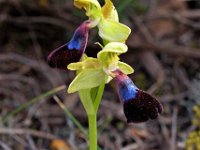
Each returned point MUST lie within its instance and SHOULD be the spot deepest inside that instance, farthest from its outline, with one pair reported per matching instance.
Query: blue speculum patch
(75, 44)
(79, 39)
(127, 90)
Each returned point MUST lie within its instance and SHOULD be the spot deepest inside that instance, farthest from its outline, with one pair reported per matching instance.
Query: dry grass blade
(31, 132)
(4, 146)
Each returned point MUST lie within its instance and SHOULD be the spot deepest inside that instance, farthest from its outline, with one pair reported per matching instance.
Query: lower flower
(138, 105)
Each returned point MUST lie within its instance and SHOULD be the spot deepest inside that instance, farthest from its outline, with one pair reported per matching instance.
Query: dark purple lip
(71, 51)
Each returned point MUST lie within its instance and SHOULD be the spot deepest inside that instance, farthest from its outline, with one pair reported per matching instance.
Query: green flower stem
(92, 131)
(91, 106)
(33, 101)
(92, 119)
(73, 119)
(99, 96)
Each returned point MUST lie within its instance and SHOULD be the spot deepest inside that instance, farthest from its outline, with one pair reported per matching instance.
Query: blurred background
(164, 50)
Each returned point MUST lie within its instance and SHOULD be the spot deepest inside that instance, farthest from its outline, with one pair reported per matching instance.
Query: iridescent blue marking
(76, 42)
(127, 90)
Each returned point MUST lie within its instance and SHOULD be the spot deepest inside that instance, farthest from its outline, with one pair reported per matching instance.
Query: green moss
(193, 139)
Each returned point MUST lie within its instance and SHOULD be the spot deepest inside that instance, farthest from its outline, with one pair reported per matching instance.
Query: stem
(99, 97)
(93, 120)
(92, 131)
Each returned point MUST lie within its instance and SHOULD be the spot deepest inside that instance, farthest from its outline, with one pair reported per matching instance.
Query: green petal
(111, 49)
(92, 8)
(109, 11)
(113, 31)
(115, 47)
(86, 79)
(125, 68)
(87, 63)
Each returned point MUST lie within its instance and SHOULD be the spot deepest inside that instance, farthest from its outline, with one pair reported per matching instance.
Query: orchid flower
(138, 105)
(71, 51)
(93, 73)
(106, 18)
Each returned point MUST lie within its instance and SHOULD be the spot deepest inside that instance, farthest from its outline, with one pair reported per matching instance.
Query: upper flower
(106, 18)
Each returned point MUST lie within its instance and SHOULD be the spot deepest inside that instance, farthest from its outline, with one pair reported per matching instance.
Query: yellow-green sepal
(87, 63)
(87, 79)
(113, 31)
(125, 68)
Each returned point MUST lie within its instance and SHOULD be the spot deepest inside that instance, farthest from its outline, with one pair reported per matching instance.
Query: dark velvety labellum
(62, 56)
(141, 108)
(72, 51)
